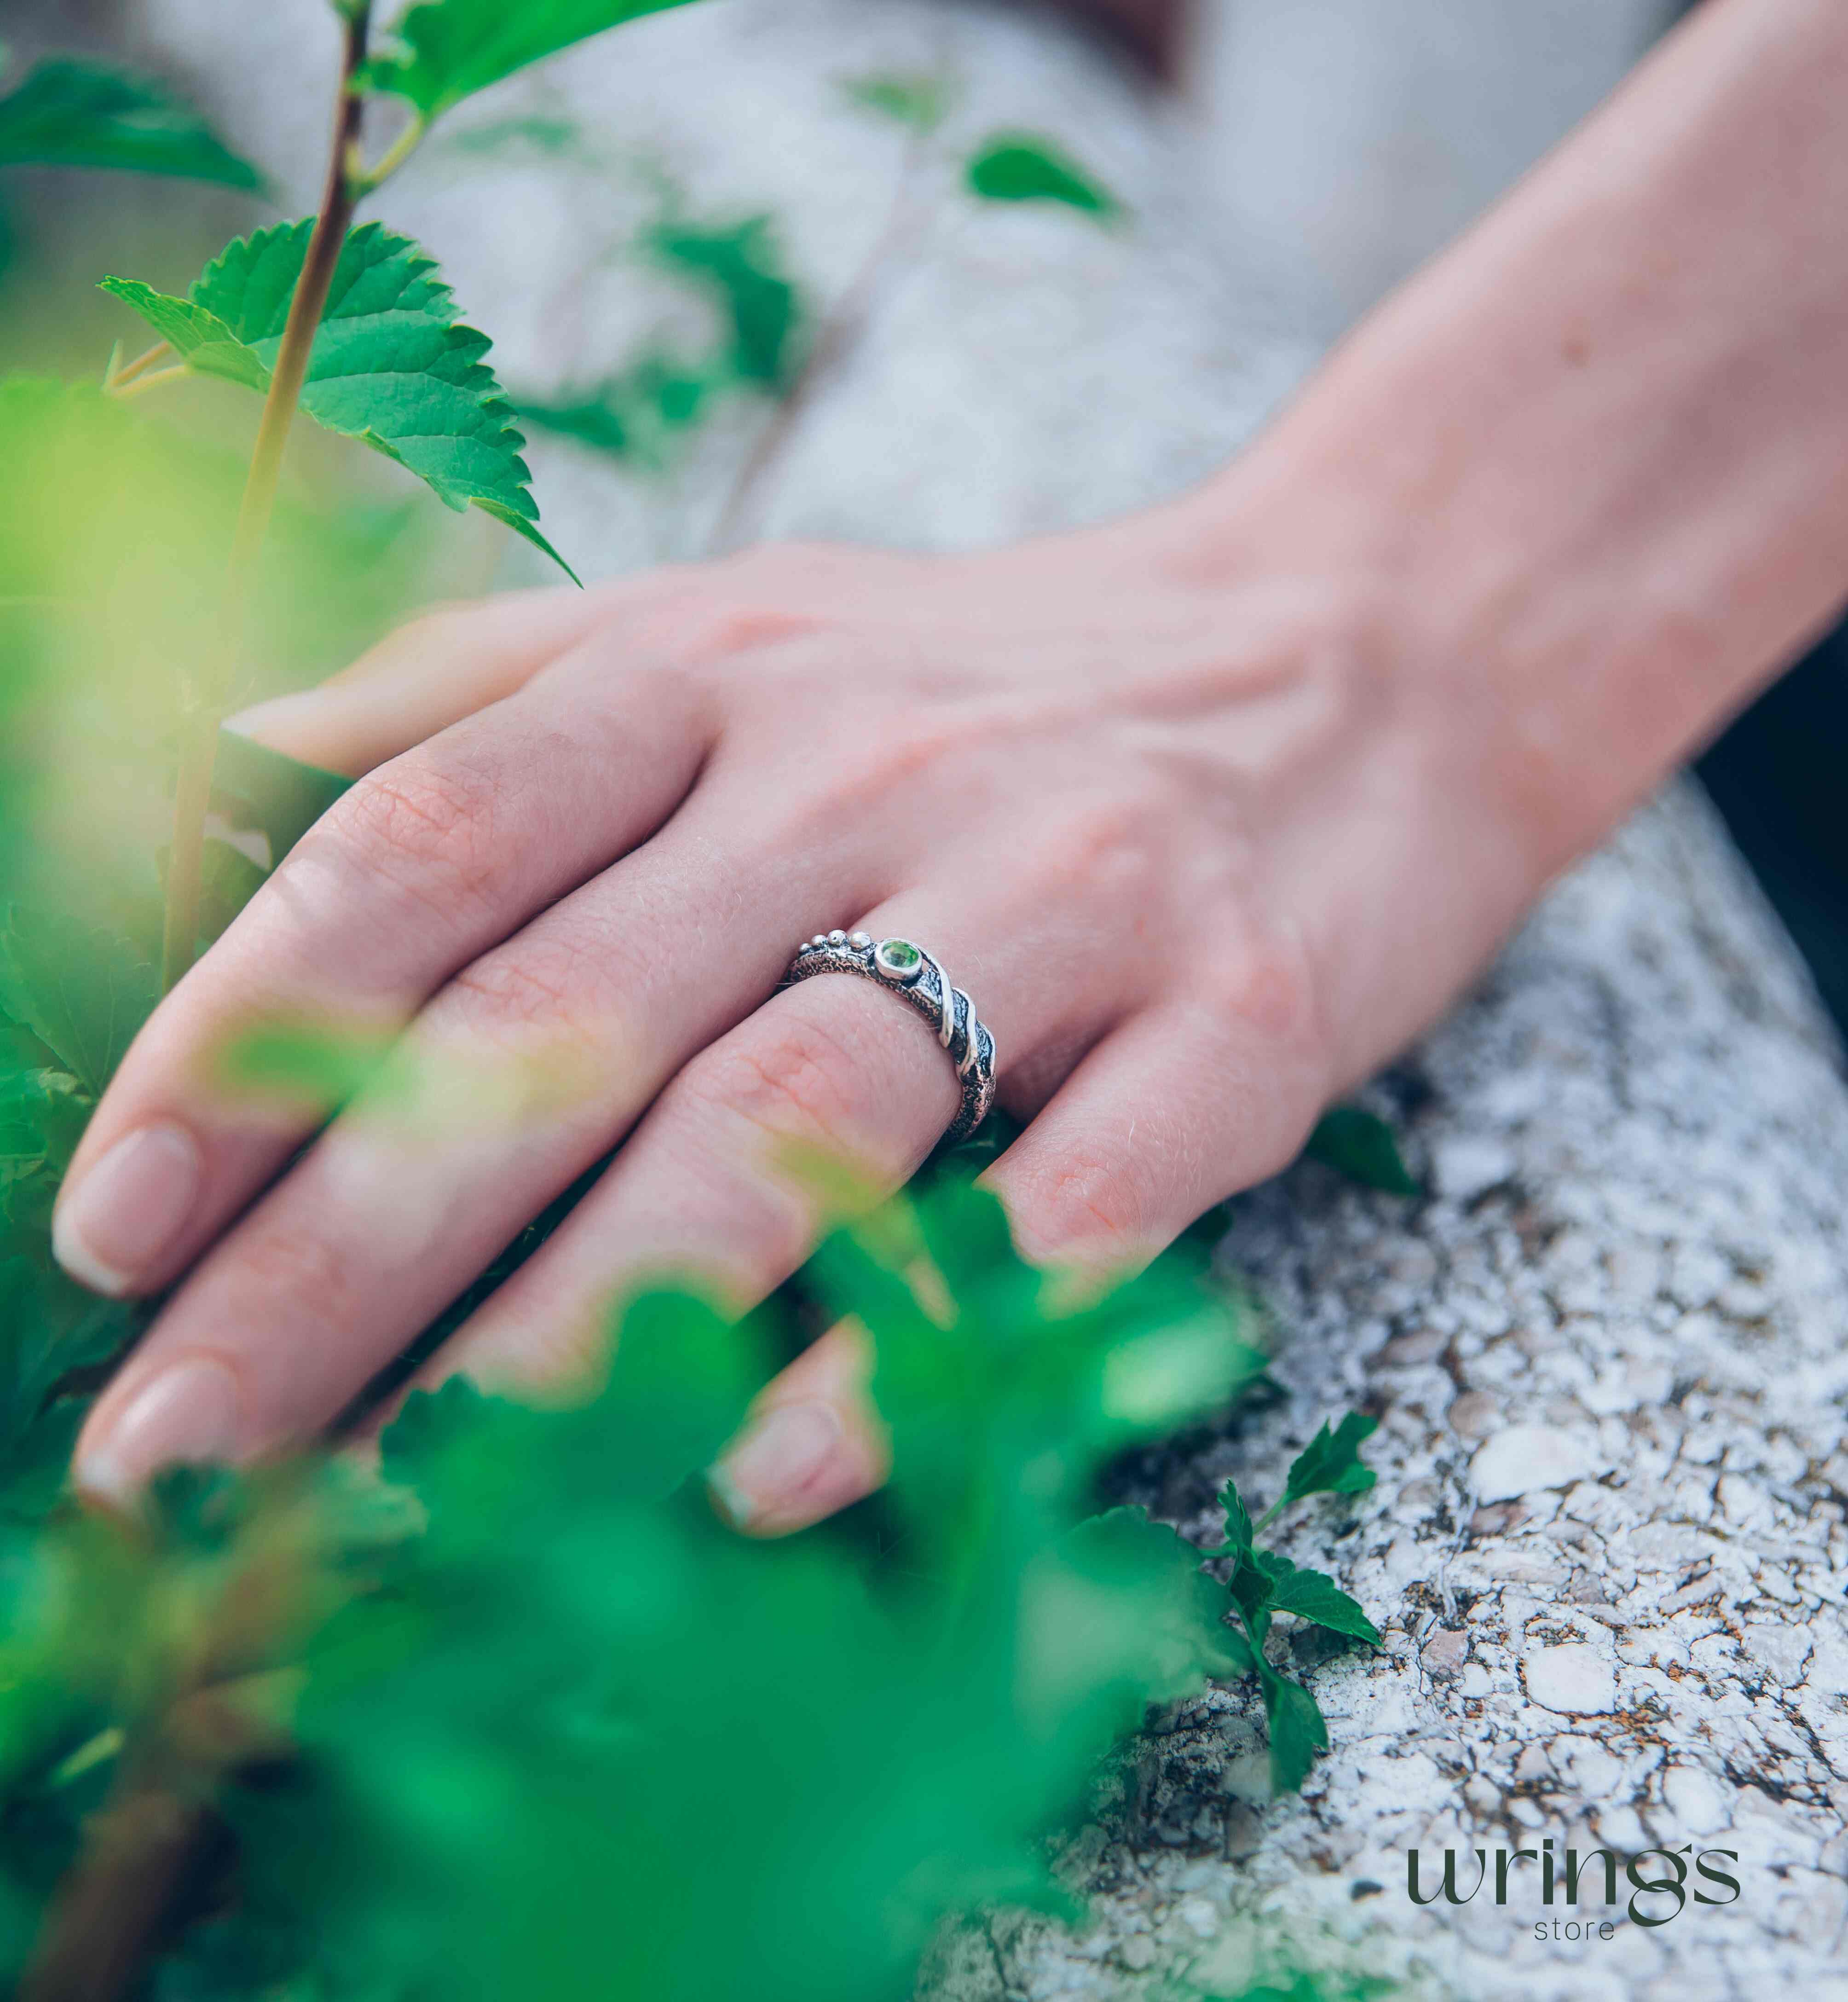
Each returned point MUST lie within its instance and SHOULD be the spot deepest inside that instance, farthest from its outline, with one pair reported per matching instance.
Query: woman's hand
(1152, 826)
(1208, 812)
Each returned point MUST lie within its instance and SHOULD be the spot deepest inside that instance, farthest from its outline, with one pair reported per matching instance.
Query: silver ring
(913, 976)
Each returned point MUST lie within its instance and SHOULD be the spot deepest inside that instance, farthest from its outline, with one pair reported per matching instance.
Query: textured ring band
(911, 973)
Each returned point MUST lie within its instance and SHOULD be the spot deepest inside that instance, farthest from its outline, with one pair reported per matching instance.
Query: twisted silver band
(913, 976)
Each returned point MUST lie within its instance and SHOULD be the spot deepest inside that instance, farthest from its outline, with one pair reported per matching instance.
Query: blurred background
(1329, 146)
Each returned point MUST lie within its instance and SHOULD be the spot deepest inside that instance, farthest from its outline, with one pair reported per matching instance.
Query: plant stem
(118, 378)
(154, 380)
(137, 1853)
(370, 179)
(833, 342)
(205, 708)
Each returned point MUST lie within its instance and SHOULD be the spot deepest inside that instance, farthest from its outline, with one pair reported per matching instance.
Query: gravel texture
(1607, 1548)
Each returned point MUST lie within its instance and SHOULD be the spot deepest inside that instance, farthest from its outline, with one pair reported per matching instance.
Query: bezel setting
(899, 959)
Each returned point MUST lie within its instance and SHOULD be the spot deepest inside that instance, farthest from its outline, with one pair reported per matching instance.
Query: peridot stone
(899, 957)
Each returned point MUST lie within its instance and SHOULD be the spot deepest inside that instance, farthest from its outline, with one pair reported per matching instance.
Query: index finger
(434, 858)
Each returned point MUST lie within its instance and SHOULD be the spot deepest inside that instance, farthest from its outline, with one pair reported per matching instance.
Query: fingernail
(279, 712)
(118, 1220)
(186, 1414)
(765, 1474)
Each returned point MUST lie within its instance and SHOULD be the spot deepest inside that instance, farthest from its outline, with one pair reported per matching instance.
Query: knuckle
(554, 984)
(301, 1270)
(794, 1081)
(1085, 1197)
(1261, 977)
(430, 828)
(695, 626)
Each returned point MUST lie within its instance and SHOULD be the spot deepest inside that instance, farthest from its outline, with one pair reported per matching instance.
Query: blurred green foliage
(1363, 1147)
(645, 410)
(541, 1707)
(1023, 167)
(68, 112)
(441, 51)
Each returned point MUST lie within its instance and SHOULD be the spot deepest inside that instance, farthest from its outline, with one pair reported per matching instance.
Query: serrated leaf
(1357, 1145)
(1315, 1597)
(1023, 166)
(391, 366)
(208, 344)
(1298, 1730)
(917, 99)
(1238, 1519)
(82, 991)
(70, 113)
(1330, 1463)
(443, 50)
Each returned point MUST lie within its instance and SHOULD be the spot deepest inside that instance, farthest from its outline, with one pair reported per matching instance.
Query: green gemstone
(899, 957)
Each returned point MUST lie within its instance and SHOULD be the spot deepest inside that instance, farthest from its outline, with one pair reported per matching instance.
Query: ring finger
(705, 1187)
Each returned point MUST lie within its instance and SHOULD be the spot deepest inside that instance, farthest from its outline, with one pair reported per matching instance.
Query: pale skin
(1211, 810)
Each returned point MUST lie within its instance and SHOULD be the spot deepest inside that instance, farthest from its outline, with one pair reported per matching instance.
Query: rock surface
(1608, 1547)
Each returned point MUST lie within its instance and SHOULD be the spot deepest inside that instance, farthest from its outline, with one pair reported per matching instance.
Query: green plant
(461, 1761)
(356, 329)
(1264, 1583)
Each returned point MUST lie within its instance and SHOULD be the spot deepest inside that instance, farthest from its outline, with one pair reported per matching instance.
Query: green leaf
(82, 991)
(1249, 1585)
(639, 415)
(49, 1327)
(1330, 1463)
(391, 365)
(256, 790)
(1298, 1730)
(743, 266)
(208, 344)
(1021, 166)
(443, 50)
(37, 1462)
(1315, 1597)
(1238, 1521)
(69, 113)
(916, 98)
(683, 1376)
(41, 1113)
(1357, 1145)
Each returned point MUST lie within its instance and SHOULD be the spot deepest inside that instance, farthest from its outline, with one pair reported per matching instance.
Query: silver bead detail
(859, 941)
